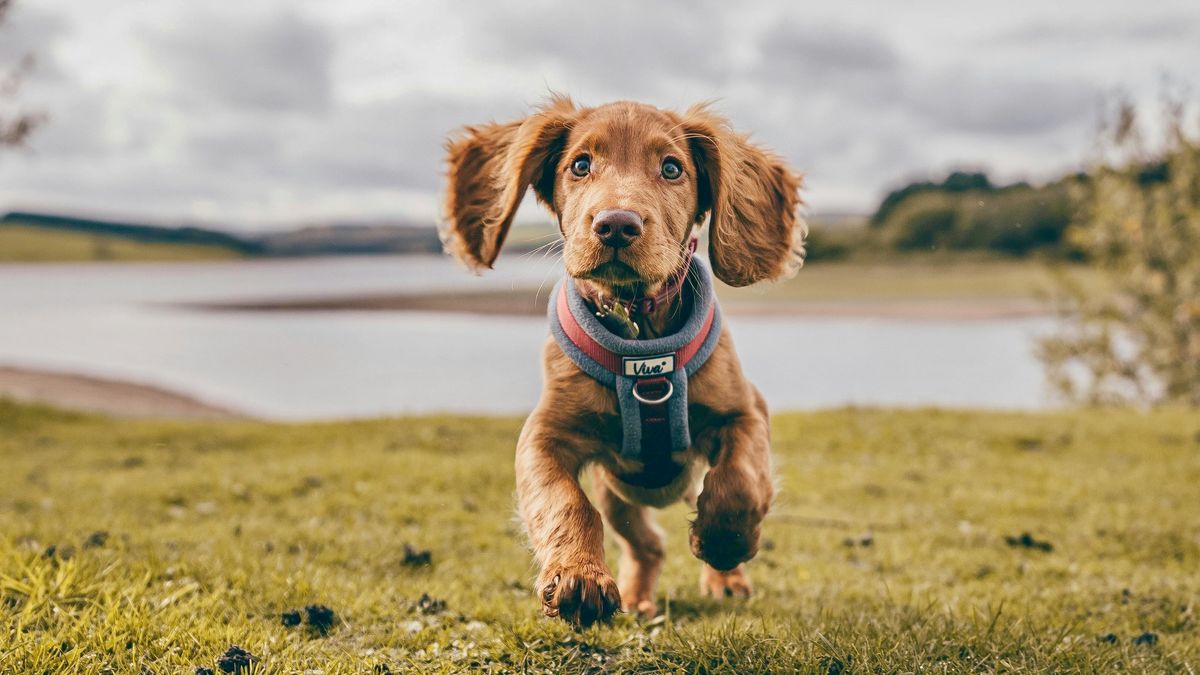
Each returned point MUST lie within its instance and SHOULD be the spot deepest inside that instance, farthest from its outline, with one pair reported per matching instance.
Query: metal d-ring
(651, 401)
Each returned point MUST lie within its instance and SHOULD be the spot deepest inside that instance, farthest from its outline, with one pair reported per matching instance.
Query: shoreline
(108, 396)
(533, 303)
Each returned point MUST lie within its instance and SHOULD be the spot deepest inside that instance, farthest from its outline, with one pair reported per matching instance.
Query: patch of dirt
(102, 395)
(428, 605)
(318, 618)
(96, 539)
(864, 541)
(1030, 444)
(834, 666)
(414, 557)
(1146, 640)
(236, 660)
(307, 485)
(1026, 540)
(65, 552)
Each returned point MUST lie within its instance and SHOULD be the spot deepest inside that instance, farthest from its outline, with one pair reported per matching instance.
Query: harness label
(650, 365)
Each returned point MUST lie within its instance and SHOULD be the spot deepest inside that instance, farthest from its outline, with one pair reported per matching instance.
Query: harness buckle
(644, 398)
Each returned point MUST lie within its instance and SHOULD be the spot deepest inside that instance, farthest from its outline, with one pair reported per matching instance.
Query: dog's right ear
(754, 230)
(490, 168)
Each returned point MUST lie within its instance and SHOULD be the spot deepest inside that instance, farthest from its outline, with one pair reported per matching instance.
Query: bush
(958, 181)
(1014, 220)
(923, 221)
(1017, 220)
(1138, 339)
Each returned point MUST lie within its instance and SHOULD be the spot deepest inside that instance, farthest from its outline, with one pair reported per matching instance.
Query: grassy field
(19, 243)
(896, 545)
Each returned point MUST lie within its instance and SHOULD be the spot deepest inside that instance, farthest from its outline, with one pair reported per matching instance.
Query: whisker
(538, 294)
(550, 249)
(539, 249)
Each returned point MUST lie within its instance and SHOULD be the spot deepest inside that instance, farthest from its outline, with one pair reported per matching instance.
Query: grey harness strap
(635, 368)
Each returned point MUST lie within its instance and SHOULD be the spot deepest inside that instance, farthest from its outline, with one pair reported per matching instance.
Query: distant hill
(150, 234)
(27, 236)
(21, 243)
(350, 239)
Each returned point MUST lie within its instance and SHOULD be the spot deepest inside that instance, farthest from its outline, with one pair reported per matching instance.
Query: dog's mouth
(613, 272)
(618, 275)
(617, 279)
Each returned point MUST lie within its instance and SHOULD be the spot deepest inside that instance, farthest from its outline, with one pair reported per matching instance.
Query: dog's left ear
(754, 231)
(490, 167)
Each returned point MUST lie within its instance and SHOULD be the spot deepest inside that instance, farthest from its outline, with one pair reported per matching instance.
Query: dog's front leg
(565, 531)
(737, 493)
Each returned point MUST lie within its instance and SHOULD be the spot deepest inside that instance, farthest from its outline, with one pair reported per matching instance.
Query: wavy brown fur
(756, 234)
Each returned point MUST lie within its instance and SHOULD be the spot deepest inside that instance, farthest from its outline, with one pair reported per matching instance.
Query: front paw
(726, 540)
(579, 594)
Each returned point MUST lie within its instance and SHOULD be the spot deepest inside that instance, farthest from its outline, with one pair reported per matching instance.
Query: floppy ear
(490, 168)
(754, 231)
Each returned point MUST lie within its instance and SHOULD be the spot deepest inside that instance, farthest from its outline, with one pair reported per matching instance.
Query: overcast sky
(263, 113)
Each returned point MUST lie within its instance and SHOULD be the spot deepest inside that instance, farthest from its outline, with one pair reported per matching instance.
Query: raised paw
(578, 594)
(726, 540)
(732, 584)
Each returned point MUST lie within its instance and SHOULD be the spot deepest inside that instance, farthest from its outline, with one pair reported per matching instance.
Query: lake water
(122, 321)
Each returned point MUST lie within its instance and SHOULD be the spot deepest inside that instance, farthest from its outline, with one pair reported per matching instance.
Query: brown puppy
(669, 171)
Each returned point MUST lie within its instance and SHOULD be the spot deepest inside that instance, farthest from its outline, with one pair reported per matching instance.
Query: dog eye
(582, 166)
(671, 169)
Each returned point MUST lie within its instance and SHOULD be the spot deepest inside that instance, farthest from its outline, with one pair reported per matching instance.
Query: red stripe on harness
(610, 360)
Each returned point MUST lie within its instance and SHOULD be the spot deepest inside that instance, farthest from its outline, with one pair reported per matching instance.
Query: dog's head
(627, 183)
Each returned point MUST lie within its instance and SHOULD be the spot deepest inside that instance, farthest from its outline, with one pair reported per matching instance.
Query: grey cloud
(396, 143)
(1137, 29)
(856, 67)
(238, 142)
(391, 144)
(970, 102)
(75, 128)
(250, 124)
(811, 50)
(280, 62)
(628, 48)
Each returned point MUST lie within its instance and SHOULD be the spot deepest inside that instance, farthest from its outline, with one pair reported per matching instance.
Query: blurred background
(231, 209)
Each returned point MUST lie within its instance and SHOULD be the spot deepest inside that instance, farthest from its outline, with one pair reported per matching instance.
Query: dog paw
(732, 584)
(727, 540)
(636, 582)
(645, 608)
(578, 594)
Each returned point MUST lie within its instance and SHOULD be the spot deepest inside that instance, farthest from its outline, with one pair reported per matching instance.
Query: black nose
(617, 227)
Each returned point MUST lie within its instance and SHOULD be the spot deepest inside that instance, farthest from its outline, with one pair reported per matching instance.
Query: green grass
(22, 243)
(214, 529)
